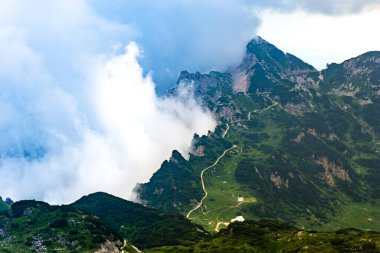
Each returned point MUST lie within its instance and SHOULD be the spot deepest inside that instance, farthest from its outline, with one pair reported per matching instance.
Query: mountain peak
(372, 57)
(262, 51)
(258, 40)
(259, 44)
(264, 65)
(176, 157)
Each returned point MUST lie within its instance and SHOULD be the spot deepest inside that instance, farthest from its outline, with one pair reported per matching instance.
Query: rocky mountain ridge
(120, 225)
(307, 143)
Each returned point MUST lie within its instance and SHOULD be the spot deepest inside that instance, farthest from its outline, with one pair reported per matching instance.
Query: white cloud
(77, 114)
(193, 35)
(136, 131)
(319, 39)
(327, 7)
(333, 7)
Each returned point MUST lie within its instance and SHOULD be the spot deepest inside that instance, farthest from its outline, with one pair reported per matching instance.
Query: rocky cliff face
(358, 77)
(264, 62)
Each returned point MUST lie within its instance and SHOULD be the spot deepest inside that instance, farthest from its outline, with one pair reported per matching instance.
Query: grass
(43, 228)
(222, 203)
(358, 215)
(280, 175)
(273, 236)
(3, 206)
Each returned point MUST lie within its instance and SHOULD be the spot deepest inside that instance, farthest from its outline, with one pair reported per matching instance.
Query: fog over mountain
(77, 119)
(78, 104)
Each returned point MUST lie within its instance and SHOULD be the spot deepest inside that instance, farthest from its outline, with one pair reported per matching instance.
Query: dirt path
(274, 104)
(248, 118)
(125, 245)
(217, 227)
(224, 222)
(200, 203)
(226, 131)
(249, 115)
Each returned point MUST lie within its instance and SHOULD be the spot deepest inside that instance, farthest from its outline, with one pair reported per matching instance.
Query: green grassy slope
(33, 226)
(271, 236)
(278, 168)
(3, 205)
(144, 227)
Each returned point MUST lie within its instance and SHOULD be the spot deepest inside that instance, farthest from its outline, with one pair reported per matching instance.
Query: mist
(79, 109)
(135, 132)
(187, 35)
(326, 7)
(208, 35)
(78, 114)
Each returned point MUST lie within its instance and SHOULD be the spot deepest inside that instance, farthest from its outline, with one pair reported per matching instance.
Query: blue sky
(79, 109)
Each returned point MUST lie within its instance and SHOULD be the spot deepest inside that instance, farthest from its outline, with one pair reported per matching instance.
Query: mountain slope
(3, 205)
(98, 222)
(144, 227)
(33, 226)
(273, 236)
(357, 77)
(307, 147)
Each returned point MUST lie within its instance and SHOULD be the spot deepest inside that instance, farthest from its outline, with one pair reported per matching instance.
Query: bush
(59, 223)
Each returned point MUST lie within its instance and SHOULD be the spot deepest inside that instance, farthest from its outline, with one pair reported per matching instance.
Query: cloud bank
(328, 7)
(188, 35)
(135, 132)
(78, 114)
(205, 35)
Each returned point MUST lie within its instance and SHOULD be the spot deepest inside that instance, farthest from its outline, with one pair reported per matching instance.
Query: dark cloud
(188, 35)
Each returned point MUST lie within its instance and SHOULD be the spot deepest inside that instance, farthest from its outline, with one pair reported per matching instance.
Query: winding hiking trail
(226, 131)
(248, 118)
(200, 203)
(124, 250)
(217, 227)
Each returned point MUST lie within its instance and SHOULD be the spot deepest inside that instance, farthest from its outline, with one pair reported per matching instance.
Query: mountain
(3, 205)
(357, 77)
(98, 222)
(293, 143)
(273, 236)
(266, 68)
(34, 226)
(144, 227)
